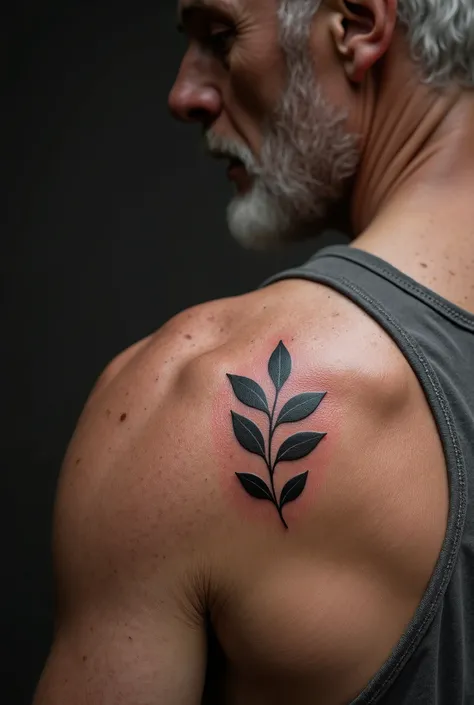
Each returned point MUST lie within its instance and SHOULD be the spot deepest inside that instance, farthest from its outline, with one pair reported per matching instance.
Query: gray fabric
(433, 664)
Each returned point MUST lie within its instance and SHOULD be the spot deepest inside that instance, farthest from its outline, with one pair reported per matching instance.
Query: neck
(413, 202)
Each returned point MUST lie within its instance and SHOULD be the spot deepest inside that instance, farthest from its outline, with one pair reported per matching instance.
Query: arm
(130, 626)
(114, 648)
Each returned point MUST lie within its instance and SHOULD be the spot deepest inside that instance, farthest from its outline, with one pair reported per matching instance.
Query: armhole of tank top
(441, 412)
(378, 266)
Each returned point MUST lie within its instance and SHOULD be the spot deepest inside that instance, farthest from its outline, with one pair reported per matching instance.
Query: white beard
(256, 219)
(307, 158)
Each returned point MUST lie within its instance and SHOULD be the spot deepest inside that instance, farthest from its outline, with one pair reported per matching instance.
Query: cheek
(255, 78)
(254, 88)
(329, 73)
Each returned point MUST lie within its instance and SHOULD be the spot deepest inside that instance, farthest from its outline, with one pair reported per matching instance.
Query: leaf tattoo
(251, 438)
(249, 392)
(298, 446)
(293, 489)
(299, 408)
(254, 486)
(279, 366)
(248, 434)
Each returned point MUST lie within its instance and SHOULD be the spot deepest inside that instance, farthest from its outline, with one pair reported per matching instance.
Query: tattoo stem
(271, 467)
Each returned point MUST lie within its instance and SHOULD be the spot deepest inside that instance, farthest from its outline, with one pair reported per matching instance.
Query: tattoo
(251, 438)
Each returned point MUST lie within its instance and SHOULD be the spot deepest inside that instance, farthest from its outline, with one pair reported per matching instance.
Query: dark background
(113, 222)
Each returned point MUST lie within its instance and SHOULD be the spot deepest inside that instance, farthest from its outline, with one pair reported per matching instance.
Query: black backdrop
(114, 222)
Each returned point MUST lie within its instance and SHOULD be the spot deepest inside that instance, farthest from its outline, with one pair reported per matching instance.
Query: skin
(153, 534)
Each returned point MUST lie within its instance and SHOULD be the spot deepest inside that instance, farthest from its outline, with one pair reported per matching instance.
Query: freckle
(188, 337)
(221, 330)
(145, 408)
(130, 638)
(157, 379)
(127, 393)
(123, 418)
(78, 461)
(424, 265)
(452, 273)
(84, 658)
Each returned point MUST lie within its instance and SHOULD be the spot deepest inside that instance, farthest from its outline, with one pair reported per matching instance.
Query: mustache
(224, 148)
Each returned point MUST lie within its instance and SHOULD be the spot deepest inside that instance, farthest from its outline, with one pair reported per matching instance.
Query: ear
(362, 31)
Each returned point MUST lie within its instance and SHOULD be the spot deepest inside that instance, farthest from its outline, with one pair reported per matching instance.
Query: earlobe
(362, 31)
(360, 62)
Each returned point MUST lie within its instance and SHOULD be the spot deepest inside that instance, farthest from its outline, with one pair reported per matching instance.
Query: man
(287, 472)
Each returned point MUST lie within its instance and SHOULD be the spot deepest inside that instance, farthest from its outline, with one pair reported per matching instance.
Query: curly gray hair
(440, 34)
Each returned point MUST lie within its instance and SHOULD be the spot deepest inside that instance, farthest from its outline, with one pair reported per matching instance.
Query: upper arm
(127, 631)
(109, 651)
(130, 626)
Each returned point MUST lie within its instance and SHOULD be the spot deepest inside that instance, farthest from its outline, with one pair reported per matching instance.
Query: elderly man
(286, 474)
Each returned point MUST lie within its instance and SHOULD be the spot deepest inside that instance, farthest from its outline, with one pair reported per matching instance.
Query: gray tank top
(433, 663)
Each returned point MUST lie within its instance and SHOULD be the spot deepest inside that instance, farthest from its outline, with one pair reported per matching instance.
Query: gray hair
(440, 34)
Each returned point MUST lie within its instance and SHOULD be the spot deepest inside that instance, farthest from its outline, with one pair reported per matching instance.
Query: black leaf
(279, 366)
(254, 486)
(293, 489)
(300, 407)
(249, 392)
(298, 446)
(248, 434)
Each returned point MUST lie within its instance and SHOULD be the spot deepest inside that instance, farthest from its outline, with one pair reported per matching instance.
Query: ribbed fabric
(433, 663)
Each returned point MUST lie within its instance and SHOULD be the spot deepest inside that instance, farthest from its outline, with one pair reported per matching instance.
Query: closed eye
(221, 42)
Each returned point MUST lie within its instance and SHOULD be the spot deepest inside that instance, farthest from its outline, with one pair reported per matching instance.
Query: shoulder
(178, 383)
(199, 324)
(206, 366)
(286, 406)
(184, 412)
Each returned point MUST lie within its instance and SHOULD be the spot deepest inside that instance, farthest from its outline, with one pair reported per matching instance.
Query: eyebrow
(192, 7)
(201, 7)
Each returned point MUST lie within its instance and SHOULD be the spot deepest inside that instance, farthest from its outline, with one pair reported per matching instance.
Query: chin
(258, 221)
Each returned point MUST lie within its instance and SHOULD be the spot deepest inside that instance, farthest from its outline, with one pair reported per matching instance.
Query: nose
(193, 99)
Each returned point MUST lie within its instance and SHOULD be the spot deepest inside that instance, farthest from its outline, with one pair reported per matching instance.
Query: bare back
(154, 531)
